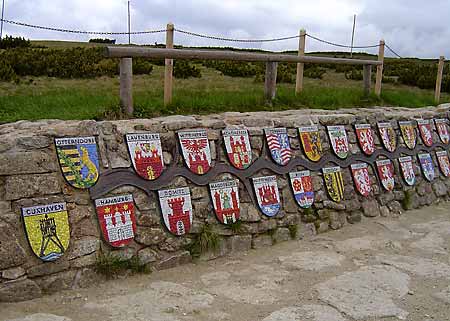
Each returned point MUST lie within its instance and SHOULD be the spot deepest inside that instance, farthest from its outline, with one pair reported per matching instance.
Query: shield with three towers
(338, 139)
(444, 163)
(195, 149)
(334, 182)
(278, 142)
(388, 137)
(176, 209)
(302, 187)
(267, 194)
(408, 131)
(426, 163)
(360, 173)
(146, 154)
(238, 147)
(225, 199)
(385, 170)
(442, 129)
(407, 168)
(365, 138)
(426, 131)
(311, 143)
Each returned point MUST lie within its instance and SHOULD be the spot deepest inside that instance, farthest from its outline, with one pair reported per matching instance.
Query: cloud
(412, 28)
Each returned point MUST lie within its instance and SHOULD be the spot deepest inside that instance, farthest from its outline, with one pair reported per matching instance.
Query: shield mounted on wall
(311, 143)
(195, 149)
(442, 129)
(146, 154)
(116, 218)
(444, 163)
(238, 147)
(365, 138)
(385, 170)
(176, 209)
(426, 163)
(278, 142)
(408, 131)
(78, 159)
(338, 139)
(267, 194)
(388, 137)
(360, 173)
(47, 230)
(302, 187)
(426, 131)
(225, 199)
(334, 182)
(407, 167)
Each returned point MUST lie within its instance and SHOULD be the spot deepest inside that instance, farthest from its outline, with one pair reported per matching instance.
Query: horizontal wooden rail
(131, 52)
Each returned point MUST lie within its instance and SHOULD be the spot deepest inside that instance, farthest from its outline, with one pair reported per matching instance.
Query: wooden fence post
(437, 92)
(126, 85)
(270, 85)
(379, 78)
(300, 66)
(367, 73)
(168, 71)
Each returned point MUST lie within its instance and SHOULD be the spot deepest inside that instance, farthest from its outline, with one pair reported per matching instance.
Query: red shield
(116, 218)
(365, 138)
(196, 152)
(238, 147)
(146, 154)
(442, 129)
(386, 174)
(361, 178)
(426, 131)
(225, 199)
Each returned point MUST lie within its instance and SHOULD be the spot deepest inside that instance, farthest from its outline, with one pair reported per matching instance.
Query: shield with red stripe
(442, 129)
(365, 138)
(426, 131)
(360, 173)
(278, 142)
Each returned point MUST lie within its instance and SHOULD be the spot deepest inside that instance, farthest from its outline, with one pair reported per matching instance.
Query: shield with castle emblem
(238, 147)
(47, 230)
(310, 138)
(78, 160)
(442, 129)
(360, 173)
(278, 142)
(267, 194)
(338, 139)
(408, 133)
(146, 154)
(225, 199)
(407, 167)
(302, 187)
(426, 163)
(385, 170)
(195, 149)
(117, 219)
(426, 131)
(334, 182)
(444, 163)
(176, 209)
(365, 138)
(388, 137)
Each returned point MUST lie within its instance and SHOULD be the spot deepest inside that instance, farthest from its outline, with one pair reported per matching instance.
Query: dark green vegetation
(68, 80)
(207, 240)
(103, 40)
(112, 266)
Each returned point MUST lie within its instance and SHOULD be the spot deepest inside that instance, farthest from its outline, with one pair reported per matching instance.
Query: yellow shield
(334, 183)
(47, 230)
(312, 146)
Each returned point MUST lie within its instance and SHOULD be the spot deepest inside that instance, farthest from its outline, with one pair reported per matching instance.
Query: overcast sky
(411, 27)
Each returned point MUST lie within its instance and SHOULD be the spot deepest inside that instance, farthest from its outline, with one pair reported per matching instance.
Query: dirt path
(386, 269)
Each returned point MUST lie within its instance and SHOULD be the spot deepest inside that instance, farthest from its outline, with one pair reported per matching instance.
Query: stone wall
(30, 175)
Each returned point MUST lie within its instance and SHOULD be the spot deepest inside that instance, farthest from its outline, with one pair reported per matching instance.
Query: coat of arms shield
(267, 194)
(78, 160)
(407, 167)
(388, 137)
(385, 170)
(225, 199)
(278, 142)
(365, 138)
(117, 219)
(408, 131)
(360, 173)
(176, 209)
(338, 139)
(444, 163)
(426, 131)
(426, 163)
(302, 187)
(47, 230)
(334, 182)
(442, 129)
(237, 145)
(195, 149)
(311, 143)
(146, 154)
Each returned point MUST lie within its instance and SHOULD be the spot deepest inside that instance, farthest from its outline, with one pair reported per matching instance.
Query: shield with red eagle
(426, 131)
(442, 129)
(225, 199)
(407, 167)
(302, 187)
(195, 149)
(444, 163)
(360, 173)
(385, 170)
(365, 138)
(388, 137)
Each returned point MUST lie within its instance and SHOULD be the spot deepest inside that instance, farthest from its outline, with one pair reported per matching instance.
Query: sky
(412, 28)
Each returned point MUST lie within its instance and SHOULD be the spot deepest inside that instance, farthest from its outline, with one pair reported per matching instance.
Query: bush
(10, 42)
(354, 75)
(100, 40)
(142, 66)
(182, 69)
(7, 72)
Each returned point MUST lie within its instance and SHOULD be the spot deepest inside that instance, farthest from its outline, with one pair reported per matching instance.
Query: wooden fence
(127, 53)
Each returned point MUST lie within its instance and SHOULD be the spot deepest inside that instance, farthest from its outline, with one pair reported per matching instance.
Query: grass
(293, 230)
(207, 240)
(50, 98)
(112, 266)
